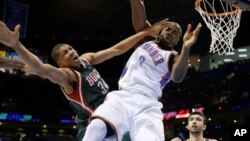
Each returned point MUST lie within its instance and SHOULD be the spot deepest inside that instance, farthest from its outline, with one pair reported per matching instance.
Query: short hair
(200, 114)
(54, 52)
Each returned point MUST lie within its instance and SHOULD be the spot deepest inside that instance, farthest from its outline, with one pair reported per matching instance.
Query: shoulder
(88, 57)
(70, 73)
(174, 55)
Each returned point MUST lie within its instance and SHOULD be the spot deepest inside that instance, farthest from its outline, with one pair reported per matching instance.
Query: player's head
(196, 122)
(65, 55)
(170, 35)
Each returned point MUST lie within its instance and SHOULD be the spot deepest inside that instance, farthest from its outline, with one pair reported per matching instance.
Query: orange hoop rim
(236, 11)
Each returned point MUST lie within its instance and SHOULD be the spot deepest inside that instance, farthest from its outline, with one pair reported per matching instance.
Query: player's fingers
(17, 27)
(164, 22)
(198, 28)
(189, 28)
(1, 24)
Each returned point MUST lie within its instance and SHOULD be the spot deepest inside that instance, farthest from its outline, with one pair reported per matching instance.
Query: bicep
(171, 61)
(104, 55)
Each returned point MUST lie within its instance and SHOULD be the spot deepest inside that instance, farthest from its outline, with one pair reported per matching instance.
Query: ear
(204, 127)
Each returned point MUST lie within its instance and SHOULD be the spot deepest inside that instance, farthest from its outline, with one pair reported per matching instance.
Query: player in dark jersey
(80, 82)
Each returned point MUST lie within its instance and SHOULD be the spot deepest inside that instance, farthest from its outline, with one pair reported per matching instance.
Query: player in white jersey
(135, 107)
(147, 70)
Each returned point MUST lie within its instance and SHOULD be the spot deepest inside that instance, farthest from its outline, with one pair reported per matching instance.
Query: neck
(196, 137)
(163, 45)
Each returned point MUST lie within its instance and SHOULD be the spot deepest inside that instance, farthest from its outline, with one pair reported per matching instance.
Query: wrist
(15, 44)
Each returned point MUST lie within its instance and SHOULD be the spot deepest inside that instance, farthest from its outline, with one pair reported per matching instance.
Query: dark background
(93, 25)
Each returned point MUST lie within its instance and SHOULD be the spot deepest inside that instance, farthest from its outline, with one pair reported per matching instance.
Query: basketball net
(223, 24)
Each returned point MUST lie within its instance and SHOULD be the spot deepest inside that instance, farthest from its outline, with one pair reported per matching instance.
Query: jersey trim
(77, 95)
(169, 56)
(86, 60)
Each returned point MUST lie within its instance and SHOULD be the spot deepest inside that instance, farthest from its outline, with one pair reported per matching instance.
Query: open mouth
(76, 58)
(194, 126)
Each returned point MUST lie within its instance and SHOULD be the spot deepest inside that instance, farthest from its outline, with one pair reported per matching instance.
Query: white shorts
(139, 114)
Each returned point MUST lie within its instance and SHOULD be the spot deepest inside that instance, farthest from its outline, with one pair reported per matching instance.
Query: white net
(223, 23)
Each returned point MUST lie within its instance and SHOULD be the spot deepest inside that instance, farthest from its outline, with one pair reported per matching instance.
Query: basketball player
(79, 80)
(197, 124)
(135, 107)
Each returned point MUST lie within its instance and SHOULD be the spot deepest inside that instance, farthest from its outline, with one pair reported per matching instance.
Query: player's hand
(190, 37)
(156, 28)
(8, 37)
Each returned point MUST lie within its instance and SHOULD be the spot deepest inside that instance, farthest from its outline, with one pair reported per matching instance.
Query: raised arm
(16, 64)
(181, 62)
(139, 18)
(11, 39)
(126, 44)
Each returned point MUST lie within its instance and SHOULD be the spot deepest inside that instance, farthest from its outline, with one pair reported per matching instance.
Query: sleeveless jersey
(147, 70)
(89, 92)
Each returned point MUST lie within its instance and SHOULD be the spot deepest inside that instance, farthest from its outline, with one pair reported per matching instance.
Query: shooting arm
(139, 17)
(181, 62)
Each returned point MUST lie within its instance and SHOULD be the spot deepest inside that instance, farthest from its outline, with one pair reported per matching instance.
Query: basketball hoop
(223, 20)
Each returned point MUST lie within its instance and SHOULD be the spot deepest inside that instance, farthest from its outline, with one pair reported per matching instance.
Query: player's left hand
(8, 37)
(190, 37)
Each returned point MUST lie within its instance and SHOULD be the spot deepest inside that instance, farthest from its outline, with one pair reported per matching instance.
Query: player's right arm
(139, 18)
(11, 39)
(54, 74)
(180, 65)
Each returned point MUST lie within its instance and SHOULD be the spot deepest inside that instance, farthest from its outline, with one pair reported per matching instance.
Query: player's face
(171, 34)
(196, 124)
(67, 56)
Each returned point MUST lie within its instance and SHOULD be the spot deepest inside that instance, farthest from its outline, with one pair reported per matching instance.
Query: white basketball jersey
(147, 70)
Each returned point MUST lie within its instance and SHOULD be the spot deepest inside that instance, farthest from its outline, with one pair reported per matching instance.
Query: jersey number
(103, 86)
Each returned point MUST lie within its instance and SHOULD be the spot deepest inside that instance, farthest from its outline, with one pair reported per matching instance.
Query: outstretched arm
(139, 17)
(126, 44)
(181, 62)
(11, 39)
(15, 64)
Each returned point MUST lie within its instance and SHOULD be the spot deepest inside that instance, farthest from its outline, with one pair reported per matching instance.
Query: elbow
(177, 78)
(117, 52)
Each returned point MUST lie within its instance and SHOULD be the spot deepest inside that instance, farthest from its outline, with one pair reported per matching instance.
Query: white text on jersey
(153, 53)
(93, 77)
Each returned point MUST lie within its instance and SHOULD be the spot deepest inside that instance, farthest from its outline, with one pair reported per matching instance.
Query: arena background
(35, 109)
